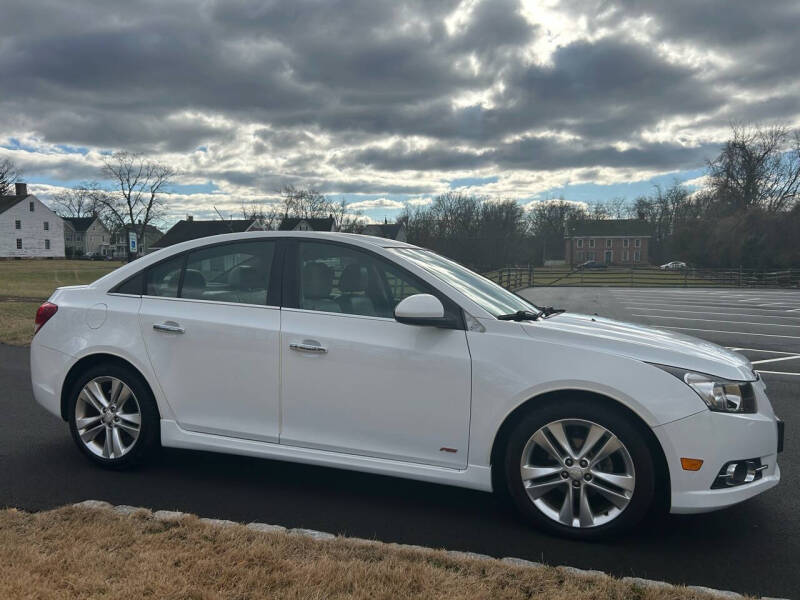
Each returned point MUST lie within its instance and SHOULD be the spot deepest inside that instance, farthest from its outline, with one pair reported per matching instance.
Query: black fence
(519, 277)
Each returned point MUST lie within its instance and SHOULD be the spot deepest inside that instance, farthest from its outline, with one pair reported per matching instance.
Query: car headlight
(721, 395)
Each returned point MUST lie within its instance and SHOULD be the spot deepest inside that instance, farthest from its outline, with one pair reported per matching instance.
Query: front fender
(509, 368)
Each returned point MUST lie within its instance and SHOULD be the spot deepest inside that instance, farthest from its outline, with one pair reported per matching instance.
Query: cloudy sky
(388, 103)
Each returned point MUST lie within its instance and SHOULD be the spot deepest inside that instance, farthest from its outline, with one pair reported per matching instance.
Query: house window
(637, 243)
(47, 244)
(47, 226)
(626, 256)
(580, 243)
(626, 243)
(17, 224)
(30, 206)
(637, 255)
(19, 243)
(591, 243)
(608, 243)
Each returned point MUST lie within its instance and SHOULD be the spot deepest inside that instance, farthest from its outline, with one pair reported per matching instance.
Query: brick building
(622, 242)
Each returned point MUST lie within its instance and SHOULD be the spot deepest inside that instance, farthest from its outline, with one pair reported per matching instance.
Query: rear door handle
(308, 347)
(169, 327)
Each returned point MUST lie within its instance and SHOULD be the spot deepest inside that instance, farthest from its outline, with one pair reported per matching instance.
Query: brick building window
(591, 243)
(626, 255)
(637, 243)
(637, 255)
(608, 243)
(580, 243)
(626, 243)
(19, 243)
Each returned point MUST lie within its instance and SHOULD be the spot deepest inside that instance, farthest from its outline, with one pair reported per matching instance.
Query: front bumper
(717, 439)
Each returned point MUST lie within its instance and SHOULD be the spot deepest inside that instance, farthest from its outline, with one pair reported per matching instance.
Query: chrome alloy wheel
(577, 473)
(107, 417)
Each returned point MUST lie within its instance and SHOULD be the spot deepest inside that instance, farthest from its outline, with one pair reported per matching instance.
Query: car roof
(364, 241)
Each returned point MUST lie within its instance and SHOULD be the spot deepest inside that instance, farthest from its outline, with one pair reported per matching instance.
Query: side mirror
(422, 309)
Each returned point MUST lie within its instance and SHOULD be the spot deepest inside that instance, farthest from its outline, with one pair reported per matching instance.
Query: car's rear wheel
(580, 469)
(113, 416)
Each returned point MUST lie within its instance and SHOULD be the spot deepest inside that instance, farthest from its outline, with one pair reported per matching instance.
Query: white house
(28, 229)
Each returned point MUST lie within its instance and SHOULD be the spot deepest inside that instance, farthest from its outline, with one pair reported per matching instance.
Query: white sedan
(675, 265)
(374, 355)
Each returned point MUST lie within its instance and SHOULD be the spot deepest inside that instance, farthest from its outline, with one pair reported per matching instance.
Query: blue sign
(132, 241)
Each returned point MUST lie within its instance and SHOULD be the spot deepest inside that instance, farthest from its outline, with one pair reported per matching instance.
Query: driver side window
(337, 279)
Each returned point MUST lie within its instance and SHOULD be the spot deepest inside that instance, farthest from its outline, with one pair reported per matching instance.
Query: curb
(173, 516)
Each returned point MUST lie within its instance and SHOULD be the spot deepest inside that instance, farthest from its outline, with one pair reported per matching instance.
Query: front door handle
(307, 347)
(169, 326)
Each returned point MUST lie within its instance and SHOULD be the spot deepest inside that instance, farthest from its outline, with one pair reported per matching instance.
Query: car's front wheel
(580, 469)
(113, 416)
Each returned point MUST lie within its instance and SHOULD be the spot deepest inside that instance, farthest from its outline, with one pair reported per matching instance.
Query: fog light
(739, 472)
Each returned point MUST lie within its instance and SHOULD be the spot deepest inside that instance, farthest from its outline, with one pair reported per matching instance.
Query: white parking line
(705, 312)
(766, 360)
(778, 373)
(715, 321)
(773, 335)
(734, 348)
(695, 306)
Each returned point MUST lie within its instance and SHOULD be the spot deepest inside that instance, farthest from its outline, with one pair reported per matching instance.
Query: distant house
(392, 231)
(86, 235)
(121, 244)
(28, 228)
(312, 224)
(191, 229)
(609, 241)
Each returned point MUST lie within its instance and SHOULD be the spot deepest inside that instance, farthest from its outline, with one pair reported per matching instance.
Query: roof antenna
(223, 220)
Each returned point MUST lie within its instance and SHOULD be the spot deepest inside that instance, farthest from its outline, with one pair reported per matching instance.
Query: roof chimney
(189, 218)
(21, 189)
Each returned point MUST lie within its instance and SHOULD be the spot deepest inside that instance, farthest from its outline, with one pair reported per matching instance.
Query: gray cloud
(338, 93)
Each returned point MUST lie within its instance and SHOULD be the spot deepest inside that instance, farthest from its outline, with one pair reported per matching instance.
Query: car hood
(642, 343)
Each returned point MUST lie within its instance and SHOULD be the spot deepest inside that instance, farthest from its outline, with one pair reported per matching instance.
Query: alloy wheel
(108, 417)
(577, 473)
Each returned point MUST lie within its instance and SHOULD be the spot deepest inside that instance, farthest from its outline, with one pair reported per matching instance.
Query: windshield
(487, 294)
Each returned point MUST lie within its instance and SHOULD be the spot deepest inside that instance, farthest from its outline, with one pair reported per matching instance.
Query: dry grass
(16, 322)
(77, 552)
(38, 278)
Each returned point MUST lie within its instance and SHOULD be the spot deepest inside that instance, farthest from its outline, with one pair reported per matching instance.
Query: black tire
(149, 438)
(616, 421)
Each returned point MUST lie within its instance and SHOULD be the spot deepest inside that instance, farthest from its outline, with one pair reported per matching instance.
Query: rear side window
(132, 286)
(237, 272)
(163, 279)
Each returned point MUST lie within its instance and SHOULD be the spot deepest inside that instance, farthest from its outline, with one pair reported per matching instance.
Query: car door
(211, 325)
(356, 381)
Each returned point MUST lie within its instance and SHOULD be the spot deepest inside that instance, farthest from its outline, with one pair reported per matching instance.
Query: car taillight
(46, 310)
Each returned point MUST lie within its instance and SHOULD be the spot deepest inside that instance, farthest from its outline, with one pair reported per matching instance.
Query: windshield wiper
(549, 310)
(520, 315)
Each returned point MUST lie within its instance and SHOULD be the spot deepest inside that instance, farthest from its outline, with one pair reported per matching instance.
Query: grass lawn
(16, 322)
(78, 552)
(38, 278)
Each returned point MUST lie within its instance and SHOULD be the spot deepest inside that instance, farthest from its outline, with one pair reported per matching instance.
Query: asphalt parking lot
(752, 547)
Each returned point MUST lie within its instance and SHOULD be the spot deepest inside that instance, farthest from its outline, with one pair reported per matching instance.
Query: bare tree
(306, 203)
(759, 167)
(84, 200)
(9, 175)
(268, 214)
(139, 183)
